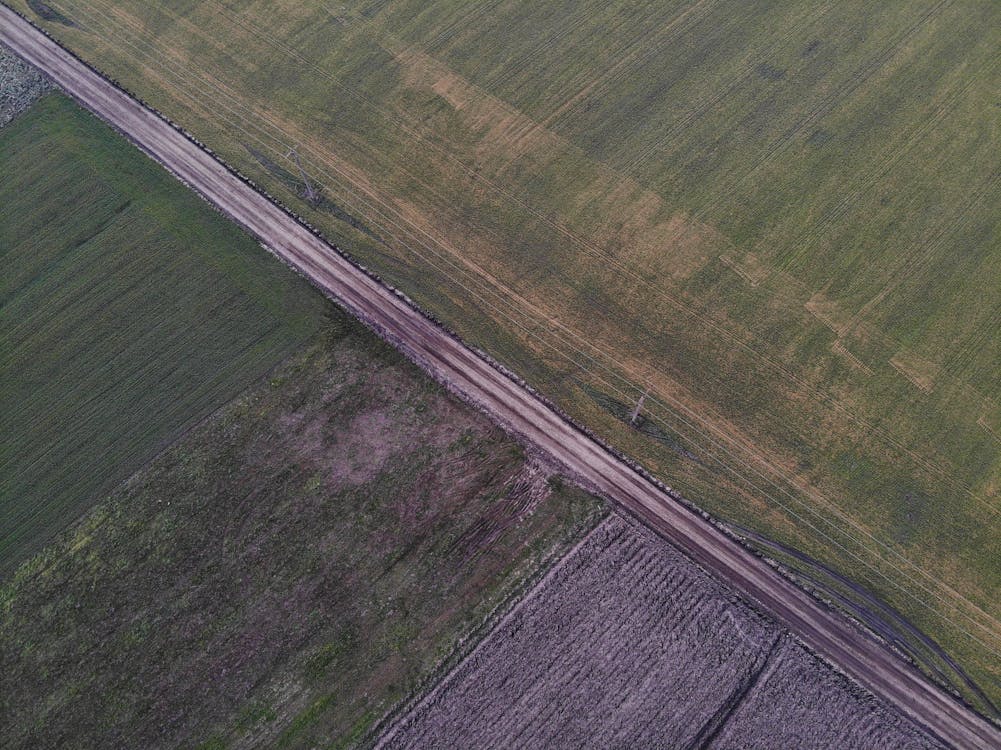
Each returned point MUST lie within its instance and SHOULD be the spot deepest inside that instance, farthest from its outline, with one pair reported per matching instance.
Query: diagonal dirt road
(514, 406)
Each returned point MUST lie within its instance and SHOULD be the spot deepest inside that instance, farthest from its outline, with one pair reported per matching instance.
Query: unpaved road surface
(451, 362)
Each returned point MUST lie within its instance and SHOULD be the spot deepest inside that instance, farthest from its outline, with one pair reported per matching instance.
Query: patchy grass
(283, 575)
(128, 311)
(781, 217)
(48, 13)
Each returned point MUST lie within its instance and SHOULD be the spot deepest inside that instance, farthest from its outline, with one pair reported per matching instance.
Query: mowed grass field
(128, 311)
(779, 217)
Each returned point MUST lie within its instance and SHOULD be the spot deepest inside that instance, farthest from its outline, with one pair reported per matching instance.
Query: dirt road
(451, 362)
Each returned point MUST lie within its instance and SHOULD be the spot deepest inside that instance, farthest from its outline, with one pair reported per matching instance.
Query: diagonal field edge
(503, 397)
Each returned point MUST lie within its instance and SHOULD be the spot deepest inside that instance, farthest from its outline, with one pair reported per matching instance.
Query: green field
(286, 573)
(128, 311)
(781, 217)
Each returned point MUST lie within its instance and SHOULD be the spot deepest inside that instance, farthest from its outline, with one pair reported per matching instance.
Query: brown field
(626, 643)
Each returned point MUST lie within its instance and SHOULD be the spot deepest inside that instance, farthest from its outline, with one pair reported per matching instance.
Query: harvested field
(799, 702)
(779, 216)
(286, 573)
(626, 643)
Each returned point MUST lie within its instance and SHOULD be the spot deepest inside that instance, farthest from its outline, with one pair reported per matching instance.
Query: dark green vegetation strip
(48, 13)
(781, 216)
(128, 311)
(290, 570)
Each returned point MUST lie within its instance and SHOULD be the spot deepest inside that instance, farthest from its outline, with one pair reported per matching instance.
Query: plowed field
(628, 644)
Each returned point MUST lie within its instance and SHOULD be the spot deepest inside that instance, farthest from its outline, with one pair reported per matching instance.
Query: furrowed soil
(294, 567)
(20, 85)
(626, 643)
(781, 218)
(128, 311)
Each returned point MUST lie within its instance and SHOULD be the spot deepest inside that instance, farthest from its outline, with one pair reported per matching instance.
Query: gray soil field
(627, 643)
(20, 85)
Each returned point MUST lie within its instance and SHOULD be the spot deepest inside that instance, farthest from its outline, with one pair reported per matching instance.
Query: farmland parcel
(779, 217)
(301, 558)
(284, 574)
(626, 643)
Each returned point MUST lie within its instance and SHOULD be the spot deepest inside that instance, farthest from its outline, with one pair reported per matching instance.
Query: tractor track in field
(507, 400)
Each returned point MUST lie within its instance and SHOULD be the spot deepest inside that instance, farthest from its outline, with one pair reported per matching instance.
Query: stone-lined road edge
(508, 401)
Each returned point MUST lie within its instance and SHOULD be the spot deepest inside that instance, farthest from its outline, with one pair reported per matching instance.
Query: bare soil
(800, 702)
(20, 85)
(628, 644)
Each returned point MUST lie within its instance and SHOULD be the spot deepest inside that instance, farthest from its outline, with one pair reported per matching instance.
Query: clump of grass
(48, 13)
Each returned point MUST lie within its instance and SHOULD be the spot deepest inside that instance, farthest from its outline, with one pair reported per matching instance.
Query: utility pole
(312, 196)
(639, 405)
